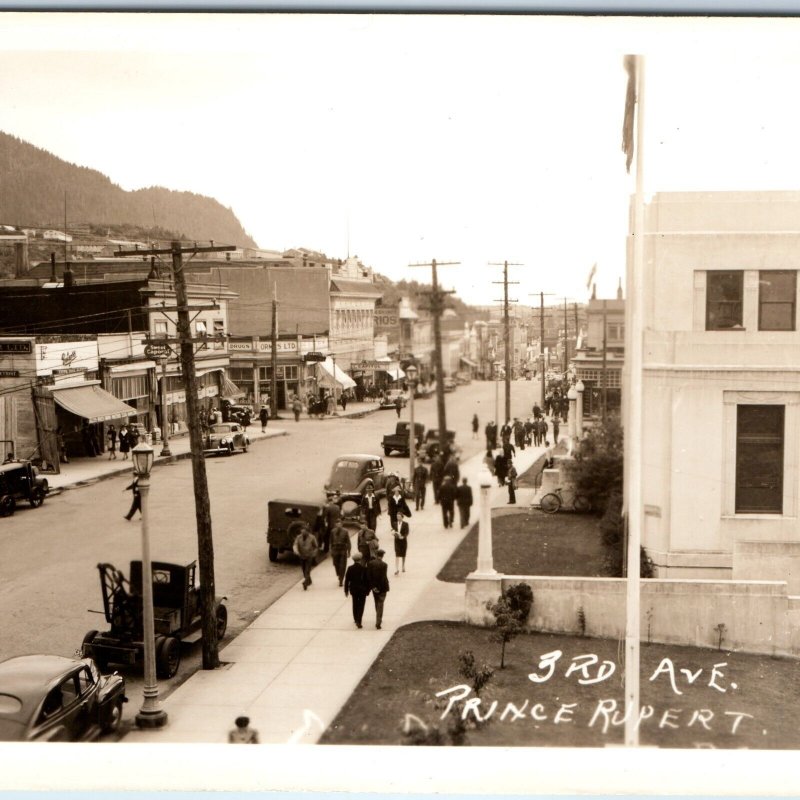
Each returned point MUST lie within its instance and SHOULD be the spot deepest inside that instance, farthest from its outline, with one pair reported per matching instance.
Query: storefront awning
(328, 374)
(230, 390)
(92, 403)
(467, 361)
(395, 373)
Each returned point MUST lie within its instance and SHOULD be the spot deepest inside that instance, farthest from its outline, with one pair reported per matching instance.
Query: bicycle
(554, 501)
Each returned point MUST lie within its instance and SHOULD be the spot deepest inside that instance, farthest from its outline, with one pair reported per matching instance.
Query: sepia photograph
(421, 388)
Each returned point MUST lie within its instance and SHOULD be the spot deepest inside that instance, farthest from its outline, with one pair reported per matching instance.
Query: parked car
(225, 438)
(46, 698)
(389, 399)
(235, 412)
(285, 518)
(178, 615)
(398, 441)
(20, 480)
(351, 473)
(449, 384)
(430, 449)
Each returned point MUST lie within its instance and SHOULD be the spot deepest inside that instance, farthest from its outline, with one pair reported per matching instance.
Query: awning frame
(92, 403)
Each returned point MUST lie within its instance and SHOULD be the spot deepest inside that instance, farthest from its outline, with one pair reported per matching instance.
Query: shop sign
(15, 346)
(386, 321)
(60, 355)
(262, 347)
(9, 373)
(157, 350)
(373, 365)
(314, 356)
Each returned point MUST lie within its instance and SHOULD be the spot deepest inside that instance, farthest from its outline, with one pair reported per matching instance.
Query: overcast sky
(472, 139)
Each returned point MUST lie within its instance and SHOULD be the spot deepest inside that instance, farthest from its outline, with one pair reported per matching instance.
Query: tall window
(776, 300)
(759, 459)
(724, 300)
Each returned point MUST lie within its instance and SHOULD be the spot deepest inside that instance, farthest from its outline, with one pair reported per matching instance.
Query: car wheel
(229, 451)
(387, 451)
(7, 505)
(244, 446)
(273, 554)
(114, 719)
(168, 657)
(37, 497)
(222, 621)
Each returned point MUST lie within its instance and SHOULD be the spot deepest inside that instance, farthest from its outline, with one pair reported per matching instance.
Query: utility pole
(506, 337)
(436, 307)
(274, 355)
(566, 345)
(541, 340)
(202, 503)
(604, 380)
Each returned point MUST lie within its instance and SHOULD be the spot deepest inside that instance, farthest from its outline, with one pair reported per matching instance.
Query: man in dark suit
(371, 506)
(379, 583)
(356, 584)
(464, 502)
(447, 498)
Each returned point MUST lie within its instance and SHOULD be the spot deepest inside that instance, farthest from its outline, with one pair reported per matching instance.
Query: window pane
(776, 295)
(724, 300)
(759, 459)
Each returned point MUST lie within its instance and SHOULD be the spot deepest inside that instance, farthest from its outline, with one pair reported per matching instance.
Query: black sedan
(47, 698)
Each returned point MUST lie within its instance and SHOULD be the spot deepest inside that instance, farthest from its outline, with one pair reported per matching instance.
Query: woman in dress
(124, 441)
(400, 544)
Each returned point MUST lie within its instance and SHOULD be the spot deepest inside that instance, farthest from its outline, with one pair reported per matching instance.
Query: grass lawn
(534, 543)
(705, 708)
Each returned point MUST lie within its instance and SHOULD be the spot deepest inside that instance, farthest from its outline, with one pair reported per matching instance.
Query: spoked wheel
(550, 503)
(37, 497)
(168, 657)
(582, 504)
(7, 505)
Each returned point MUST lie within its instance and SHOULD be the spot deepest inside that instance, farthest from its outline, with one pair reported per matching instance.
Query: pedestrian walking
(420, 485)
(340, 550)
(555, 430)
(396, 504)
(247, 418)
(136, 505)
(332, 513)
(509, 451)
(451, 470)
(400, 544)
(371, 507)
(500, 468)
(488, 460)
(111, 435)
(343, 401)
(297, 407)
(475, 426)
(488, 430)
(447, 499)
(379, 583)
(356, 585)
(464, 502)
(543, 428)
(398, 405)
(505, 432)
(124, 441)
(263, 417)
(242, 733)
(537, 435)
(305, 547)
(511, 480)
(519, 434)
(437, 474)
(367, 543)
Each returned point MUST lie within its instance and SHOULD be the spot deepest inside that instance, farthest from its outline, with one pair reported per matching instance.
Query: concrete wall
(759, 616)
(769, 561)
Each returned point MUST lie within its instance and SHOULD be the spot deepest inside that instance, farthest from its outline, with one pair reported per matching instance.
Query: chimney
(53, 277)
(21, 259)
(619, 290)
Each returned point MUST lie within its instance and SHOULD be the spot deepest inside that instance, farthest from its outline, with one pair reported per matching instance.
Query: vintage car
(234, 412)
(351, 473)
(285, 519)
(398, 441)
(177, 606)
(429, 450)
(224, 439)
(19, 480)
(389, 399)
(46, 698)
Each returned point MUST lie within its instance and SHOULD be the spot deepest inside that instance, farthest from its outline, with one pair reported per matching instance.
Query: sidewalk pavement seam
(300, 660)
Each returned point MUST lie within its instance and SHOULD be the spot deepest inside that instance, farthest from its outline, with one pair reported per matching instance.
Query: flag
(591, 276)
(630, 63)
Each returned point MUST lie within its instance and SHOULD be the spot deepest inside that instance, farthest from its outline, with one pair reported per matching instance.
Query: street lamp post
(165, 451)
(151, 715)
(411, 377)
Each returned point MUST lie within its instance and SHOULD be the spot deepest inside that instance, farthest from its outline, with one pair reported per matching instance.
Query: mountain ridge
(33, 182)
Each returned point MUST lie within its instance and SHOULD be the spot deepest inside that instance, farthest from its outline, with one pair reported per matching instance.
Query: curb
(157, 462)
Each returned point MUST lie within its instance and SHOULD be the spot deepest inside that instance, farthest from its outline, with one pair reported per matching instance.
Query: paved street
(49, 555)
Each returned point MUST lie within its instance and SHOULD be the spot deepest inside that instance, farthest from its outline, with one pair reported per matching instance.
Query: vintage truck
(398, 441)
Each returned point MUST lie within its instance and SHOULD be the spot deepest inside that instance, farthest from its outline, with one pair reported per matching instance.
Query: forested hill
(33, 182)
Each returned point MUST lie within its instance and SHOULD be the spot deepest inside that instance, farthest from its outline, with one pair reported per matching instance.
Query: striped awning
(230, 390)
(92, 403)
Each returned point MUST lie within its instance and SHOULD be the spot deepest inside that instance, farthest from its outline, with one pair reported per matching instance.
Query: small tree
(510, 612)
(477, 676)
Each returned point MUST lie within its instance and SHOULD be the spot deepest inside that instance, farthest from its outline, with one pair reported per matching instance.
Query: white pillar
(579, 387)
(485, 559)
(572, 396)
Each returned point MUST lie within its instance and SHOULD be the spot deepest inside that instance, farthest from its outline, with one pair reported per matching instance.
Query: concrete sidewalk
(296, 665)
(85, 471)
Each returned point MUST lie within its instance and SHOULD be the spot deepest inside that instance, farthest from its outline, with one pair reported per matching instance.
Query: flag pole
(633, 435)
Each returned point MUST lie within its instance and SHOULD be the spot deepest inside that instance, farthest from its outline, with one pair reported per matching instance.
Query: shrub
(510, 612)
(599, 462)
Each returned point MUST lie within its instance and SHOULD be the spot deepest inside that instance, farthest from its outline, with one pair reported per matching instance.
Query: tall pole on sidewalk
(165, 451)
(411, 377)
(506, 332)
(436, 308)
(541, 333)
(274, 355)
